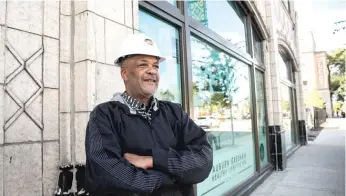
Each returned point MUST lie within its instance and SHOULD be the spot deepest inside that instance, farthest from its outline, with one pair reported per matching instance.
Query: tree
(314, 99)
(336, 61)
(336, 67)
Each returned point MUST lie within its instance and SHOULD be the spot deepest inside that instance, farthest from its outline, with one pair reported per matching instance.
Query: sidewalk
(317, 169)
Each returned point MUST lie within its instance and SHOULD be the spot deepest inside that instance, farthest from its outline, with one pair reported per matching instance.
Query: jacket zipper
(152, 132)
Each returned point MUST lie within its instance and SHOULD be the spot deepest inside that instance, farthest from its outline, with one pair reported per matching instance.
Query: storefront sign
(231, 166)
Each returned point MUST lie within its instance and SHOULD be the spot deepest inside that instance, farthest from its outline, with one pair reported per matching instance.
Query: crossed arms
(108, 170)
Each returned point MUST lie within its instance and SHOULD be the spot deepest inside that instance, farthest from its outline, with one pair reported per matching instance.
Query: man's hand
(144, 162)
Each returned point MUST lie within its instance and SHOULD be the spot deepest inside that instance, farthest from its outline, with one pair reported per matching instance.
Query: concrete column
(276, 137)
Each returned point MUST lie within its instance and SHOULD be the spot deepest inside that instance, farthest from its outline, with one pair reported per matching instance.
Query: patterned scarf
(141, 108)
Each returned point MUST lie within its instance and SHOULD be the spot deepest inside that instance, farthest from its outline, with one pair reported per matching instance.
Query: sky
(319, 17)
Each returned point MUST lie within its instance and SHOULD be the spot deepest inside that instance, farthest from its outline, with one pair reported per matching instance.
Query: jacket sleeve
(106, 169)
(191, 164)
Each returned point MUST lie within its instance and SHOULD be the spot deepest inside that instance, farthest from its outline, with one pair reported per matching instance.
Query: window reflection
(167, 39)
(261, 118)
(231, 25)
(173, 2)
(221, 95)
(287, 120)
(285, 68)
(258, 46)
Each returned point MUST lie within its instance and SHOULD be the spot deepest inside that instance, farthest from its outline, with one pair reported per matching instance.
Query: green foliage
(314, 99)
(216, 74)
(336, 66)
(336, 60)
(337, 106)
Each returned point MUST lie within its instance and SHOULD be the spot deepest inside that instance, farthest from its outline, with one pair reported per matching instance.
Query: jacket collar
(134, 105)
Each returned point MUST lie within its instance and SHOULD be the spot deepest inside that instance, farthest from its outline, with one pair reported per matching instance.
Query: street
(317, 169)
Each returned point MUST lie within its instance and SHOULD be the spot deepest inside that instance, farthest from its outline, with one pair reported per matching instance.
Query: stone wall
(29, 97)
(36, 61)
(57, 64)
(282, 31)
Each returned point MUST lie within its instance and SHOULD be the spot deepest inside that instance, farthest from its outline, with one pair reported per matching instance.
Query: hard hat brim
(116, 61)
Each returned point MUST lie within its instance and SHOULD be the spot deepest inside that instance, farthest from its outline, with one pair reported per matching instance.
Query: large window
(167, 38)
(216, 76)
(230, 24)
(222, 106)
(261, 118)
(257, 46)
(287, 103)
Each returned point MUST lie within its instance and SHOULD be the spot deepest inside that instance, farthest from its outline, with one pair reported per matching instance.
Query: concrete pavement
(317, 169)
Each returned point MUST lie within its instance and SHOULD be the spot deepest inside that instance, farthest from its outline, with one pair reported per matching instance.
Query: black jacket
(181, 153)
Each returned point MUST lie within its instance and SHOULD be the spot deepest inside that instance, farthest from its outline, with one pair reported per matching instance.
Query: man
(138, 145)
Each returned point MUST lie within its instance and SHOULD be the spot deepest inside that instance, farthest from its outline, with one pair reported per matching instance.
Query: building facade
(315, 77)
(233, 65)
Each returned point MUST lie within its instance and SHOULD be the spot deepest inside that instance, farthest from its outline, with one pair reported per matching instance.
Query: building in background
(315, 75)
(322, 78)
(238, 76)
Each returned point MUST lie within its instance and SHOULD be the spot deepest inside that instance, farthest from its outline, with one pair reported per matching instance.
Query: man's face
(141, 74)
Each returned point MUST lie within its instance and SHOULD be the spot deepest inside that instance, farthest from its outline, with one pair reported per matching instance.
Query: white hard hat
(138, 44)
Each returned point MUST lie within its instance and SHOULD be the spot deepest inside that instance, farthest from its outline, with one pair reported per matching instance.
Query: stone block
(65, 38)
(50, 167)
(65, 87)
(23, 129)
(115, 33)
(51, 18)
(275, 95)
(277, 117)
(81, 31)
(51, 114)
(1, 171)
(65, 7)
(65, 138)
(80, 6)
(23, 86)
(25, 44)
(91, 38)
(96, 38)
(80, 128)
(25, 15)
(23, 169)
(2, 54)
(51, 63)
(135, 14)
(35, 110)
(113, 10)
(85, 86)
(128, 13)
(108, 81)
(2, 12)
(276, 104)
(2, 117)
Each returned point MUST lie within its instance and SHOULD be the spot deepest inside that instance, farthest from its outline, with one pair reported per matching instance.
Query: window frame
(187, 27)
(291, 84)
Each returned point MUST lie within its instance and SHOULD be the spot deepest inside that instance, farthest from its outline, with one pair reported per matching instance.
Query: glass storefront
(221, 87)
(287, 120)
(231, 26)
(167, 38)
(287, 111)
(222, 106)
(261, 118)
